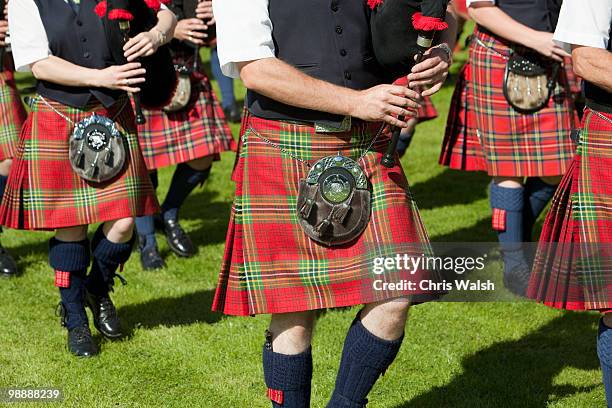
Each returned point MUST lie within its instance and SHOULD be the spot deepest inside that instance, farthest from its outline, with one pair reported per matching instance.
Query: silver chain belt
(304, 162)
(67, 119)
(602, 116)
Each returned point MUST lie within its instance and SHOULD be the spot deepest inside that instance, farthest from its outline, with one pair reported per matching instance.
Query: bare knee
(508, 182)
(292, 332)
(607, 319)
(72, 234)
(386, 319)
(5, 167)
(201, 164)
(120, 230)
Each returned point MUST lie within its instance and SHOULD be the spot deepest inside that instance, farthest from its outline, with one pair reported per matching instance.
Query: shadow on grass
(170, 311)
(451, 187)
(520, 373)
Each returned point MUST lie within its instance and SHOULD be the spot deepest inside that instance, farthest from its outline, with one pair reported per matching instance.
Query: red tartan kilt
(44, 193)
(513, 144)
(570, 274)
(12, 116)
(197, 131)
(426, 112)
(270, 265)
(461, 148)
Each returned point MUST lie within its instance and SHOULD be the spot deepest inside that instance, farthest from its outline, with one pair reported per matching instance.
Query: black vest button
(79, 23)
(347, 75)
(339, 29)
(343, 52)
(87, 55)
(83, 39)
(334, 7)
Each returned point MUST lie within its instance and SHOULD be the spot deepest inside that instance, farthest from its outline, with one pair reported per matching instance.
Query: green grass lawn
(179, 354)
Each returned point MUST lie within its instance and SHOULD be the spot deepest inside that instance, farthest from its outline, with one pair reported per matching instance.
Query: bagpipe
(402, 31)
(124, 19)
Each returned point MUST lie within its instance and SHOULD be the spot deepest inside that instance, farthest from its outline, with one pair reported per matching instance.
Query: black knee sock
(507, 205)
(364, 358)
(537, 195)
(70, 261)
(107, 257)
(604, 352)
(287, 377)
(184, 180)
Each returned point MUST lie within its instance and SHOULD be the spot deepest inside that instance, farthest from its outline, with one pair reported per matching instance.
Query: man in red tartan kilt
(315, 98)
(573, 265)
(190, 138)
(81, 101)
(525, 150)
(12, 116)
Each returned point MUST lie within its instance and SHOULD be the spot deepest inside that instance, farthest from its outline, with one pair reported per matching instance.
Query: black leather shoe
(151, 259)
(80, 342)
(104, 315)
(178, 240)
(517, 280)
(233, 113)
(8, 266)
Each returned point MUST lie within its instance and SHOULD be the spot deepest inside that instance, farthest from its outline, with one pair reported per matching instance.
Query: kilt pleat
(270, 265)
(12, 116)
(573, 265)
(513, 144)
(461, 148)
(44, 193)
(197, 131)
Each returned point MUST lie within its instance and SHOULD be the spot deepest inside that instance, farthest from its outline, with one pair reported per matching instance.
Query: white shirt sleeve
(244, 32)
(28, 36)
(468, 2)
(584, 23)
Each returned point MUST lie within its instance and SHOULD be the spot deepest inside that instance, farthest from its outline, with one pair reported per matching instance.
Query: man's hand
(3, 30)
(192, 30)
(384, 103)
(204, 12)
(431, 72)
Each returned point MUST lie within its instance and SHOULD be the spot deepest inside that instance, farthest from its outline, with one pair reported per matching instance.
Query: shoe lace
(82, 334)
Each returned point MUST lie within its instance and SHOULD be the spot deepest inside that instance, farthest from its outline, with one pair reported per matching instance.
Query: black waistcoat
(597, 98)
(326, 39)
(80, 39)
(541, 15)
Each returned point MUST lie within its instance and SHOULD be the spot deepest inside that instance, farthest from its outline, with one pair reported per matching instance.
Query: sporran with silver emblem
(97, 149)
(334, 201)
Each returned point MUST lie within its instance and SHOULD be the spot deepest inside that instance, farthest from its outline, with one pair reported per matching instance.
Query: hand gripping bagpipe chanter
(427, 19)
(119, 11)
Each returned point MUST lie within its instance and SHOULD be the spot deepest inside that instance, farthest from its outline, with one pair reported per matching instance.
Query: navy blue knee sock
(107, 257)
(70, 261)
(365, 357)
(507, 205)
(184, 180)
(604, 352)
(537, 195)
(287, 377)
(145, 226)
